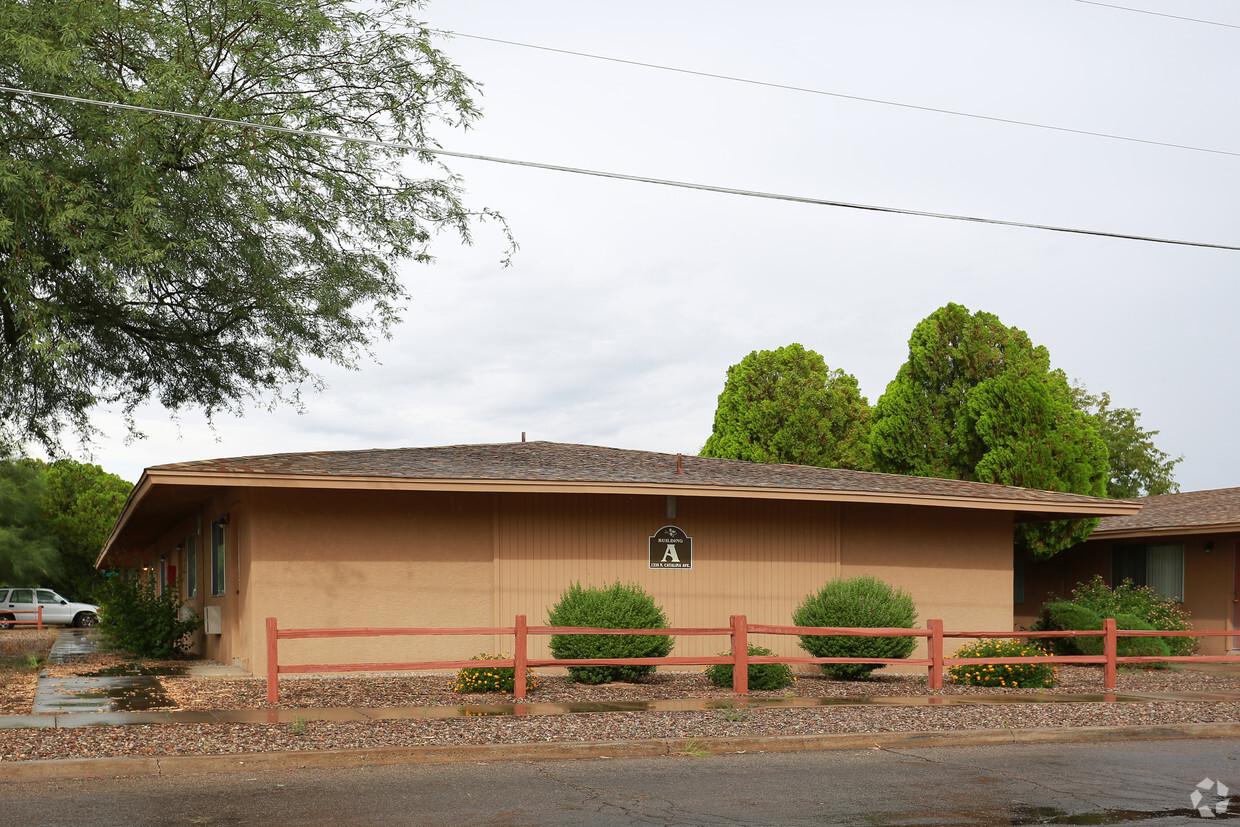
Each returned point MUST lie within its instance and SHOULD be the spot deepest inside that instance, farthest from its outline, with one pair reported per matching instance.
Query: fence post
(1109, 648)
(40, 618)
(273, 663)
(740, 655)
(520, 657)
(935, 644)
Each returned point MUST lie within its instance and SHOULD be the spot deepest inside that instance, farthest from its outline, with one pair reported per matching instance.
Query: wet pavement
(123, 689)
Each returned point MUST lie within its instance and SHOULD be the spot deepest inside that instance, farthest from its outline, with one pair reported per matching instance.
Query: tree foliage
(786, 405)
(147, 256)
(1138, 467)
(28, 554)
(54, 519)
(81, 505)
(976, 400)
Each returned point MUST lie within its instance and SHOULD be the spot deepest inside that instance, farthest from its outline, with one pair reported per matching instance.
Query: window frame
(219, 550)
(191, 566)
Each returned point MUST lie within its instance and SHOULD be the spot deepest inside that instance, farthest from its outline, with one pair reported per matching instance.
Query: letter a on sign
(671, 548)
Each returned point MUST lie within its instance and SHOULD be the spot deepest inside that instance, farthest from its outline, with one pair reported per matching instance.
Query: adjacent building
(1184, 546)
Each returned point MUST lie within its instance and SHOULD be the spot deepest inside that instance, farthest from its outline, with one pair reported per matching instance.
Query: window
(46, 596)
(217, 557)
(1018, 578)
(1161, 567)
(191, 566)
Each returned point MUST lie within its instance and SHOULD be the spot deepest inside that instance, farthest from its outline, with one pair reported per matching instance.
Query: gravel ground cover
(379, 691)
(20, 651)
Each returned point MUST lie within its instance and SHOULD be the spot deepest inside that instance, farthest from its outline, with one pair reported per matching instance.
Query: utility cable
(615, 175)
(843, 96)
(1160, 14)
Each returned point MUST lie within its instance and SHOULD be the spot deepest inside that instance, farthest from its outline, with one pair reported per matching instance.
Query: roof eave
(1165, 531)
(1085, 508)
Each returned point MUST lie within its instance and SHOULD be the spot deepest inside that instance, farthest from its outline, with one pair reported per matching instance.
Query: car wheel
(6, 621)
(85, 619)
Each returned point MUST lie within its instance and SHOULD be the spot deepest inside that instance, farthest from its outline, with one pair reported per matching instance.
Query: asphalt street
(1125, 782)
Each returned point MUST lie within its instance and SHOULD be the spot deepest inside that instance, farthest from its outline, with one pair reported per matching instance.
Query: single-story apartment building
(1185, 546)
(472, 535)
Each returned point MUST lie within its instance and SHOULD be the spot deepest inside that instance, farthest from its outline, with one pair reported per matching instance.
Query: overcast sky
(627, 302)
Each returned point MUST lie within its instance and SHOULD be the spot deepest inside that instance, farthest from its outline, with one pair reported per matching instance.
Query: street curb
(692, 747)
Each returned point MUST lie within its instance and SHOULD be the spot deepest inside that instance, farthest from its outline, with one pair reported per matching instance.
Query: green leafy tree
(80, 506)
(786, 405)
(976, 400)
(199, 264)
(1138, 467)
(28, 554)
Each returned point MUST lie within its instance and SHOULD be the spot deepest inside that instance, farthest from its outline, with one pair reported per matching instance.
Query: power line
(1160, 14)
(823, 202)
(810, 91)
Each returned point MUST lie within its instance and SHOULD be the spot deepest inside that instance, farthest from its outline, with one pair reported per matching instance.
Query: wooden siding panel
(757, 558)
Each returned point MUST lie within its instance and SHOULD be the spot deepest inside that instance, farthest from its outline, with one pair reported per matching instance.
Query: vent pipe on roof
(523, 436)
(679, 470)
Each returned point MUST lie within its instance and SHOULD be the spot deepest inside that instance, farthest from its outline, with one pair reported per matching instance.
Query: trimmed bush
(135, 617)
(762, 676)
(619, 606)
(1018, 675)
(862, 602)
(1065, 615)
(491, 678)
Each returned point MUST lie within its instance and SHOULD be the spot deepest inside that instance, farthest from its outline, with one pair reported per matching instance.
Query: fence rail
(738, 630)
(37, 622)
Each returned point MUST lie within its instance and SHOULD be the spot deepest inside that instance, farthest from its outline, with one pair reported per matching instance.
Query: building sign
(671, 548)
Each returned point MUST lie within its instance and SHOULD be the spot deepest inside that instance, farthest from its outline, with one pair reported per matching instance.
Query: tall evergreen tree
(786, 405)
(976, 400)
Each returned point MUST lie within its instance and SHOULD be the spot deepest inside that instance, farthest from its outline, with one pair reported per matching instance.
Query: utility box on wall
(213, 620)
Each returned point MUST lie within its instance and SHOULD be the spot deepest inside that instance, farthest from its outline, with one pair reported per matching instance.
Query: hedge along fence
(738, 630)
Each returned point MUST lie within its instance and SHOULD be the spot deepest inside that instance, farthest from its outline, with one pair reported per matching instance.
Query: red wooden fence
(738, 630)
(37, 622)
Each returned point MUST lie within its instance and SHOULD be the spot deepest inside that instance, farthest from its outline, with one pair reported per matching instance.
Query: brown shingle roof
(1215, 510)
(567, 463)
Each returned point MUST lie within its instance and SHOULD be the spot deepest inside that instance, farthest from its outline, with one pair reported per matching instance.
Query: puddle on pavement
(128, 670)
(100, 694)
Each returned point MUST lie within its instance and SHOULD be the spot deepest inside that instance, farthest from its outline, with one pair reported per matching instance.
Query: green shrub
(618, 606)
(491, 678)
(1142, 602)
(1065, 615)
(762, 676)
(863, 601)
(1019, 675)
(135, 617)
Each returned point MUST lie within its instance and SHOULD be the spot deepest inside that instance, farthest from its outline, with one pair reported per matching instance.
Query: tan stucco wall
(1209, 580)
(324, 559)
(957, 565)
(318, 558)
(755, 558)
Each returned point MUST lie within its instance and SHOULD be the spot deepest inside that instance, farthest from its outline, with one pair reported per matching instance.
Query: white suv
(23, 604)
